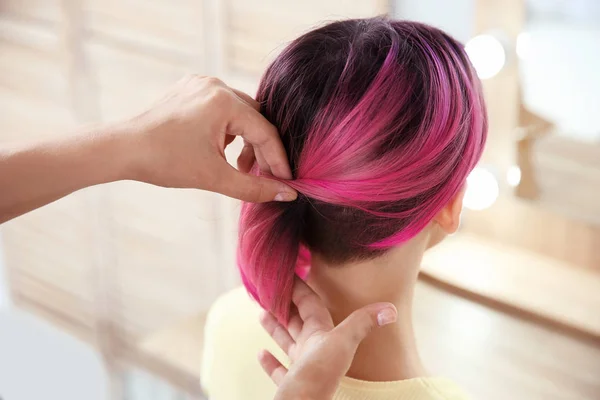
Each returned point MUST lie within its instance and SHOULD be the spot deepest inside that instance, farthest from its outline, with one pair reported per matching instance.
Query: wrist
(113, 152)
(135, 145)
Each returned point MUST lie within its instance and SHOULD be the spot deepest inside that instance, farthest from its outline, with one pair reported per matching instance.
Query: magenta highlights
(382, 121)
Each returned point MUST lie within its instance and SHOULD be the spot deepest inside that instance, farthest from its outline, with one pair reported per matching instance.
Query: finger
(310, 307)
(295, 325)
(247, 98)
(229, 139)
(246, 158)
(355, 328)
(272, 366)
(262, 163)
(279, 334)
(255, 128)
(233, 183)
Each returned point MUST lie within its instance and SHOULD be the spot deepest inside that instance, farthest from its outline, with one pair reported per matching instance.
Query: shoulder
(426, 388)
(230, 306)
(445, 389)
(233, 337)
(228, 319)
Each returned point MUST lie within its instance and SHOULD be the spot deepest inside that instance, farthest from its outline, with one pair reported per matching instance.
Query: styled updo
(382, 121)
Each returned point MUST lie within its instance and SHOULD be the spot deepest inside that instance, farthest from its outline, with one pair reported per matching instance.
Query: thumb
(252, 188)
(357, 326)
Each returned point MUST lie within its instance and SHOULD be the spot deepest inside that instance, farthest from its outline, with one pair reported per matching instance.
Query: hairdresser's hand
(180, 142)
(320, 354)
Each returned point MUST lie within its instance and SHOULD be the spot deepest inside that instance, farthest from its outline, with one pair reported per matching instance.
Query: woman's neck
(389, 353)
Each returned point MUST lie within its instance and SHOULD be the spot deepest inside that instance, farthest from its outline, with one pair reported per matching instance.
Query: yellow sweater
(230, 368)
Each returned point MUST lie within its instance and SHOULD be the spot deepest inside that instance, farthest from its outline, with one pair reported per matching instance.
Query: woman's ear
(449, 217)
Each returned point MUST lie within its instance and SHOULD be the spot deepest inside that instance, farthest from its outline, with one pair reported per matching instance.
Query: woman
(382, 121)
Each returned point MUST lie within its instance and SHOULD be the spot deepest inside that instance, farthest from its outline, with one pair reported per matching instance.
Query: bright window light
(482, 189)
(487, 55)
(523, 44)
(513, 176)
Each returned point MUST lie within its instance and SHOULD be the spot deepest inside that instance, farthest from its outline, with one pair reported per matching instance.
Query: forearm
(33, 176)
(178, 143)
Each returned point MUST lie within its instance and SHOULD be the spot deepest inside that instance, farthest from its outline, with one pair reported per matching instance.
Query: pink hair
(382, 121)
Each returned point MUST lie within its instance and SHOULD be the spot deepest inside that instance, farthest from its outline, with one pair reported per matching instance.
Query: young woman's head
(382, 121)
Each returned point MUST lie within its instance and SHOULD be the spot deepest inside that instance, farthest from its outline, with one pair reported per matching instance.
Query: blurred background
(103, 293)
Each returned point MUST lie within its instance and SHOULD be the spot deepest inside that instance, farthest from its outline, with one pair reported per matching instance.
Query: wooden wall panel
(32, 81)
(529, 225)
(158, 26)
(124, 82)
(47, 251)
(567, 173)
(539, 226)
(47, 12)
(256, 30)
(167, 251)
(16, 122)
(35, 73)
(48, 255)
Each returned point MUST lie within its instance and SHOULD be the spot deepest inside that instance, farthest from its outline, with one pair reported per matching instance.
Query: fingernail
(386, 316)
(285, 196)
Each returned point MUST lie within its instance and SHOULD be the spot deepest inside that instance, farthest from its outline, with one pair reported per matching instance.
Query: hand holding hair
(186, 133)
(320, 354)
(179, 142)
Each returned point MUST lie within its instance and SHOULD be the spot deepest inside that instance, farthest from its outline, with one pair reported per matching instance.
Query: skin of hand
(179, 143)
(184, 136)
(320, 353)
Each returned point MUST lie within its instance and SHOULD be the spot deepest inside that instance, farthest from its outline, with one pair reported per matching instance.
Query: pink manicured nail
(285, 196)
(386, 316)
